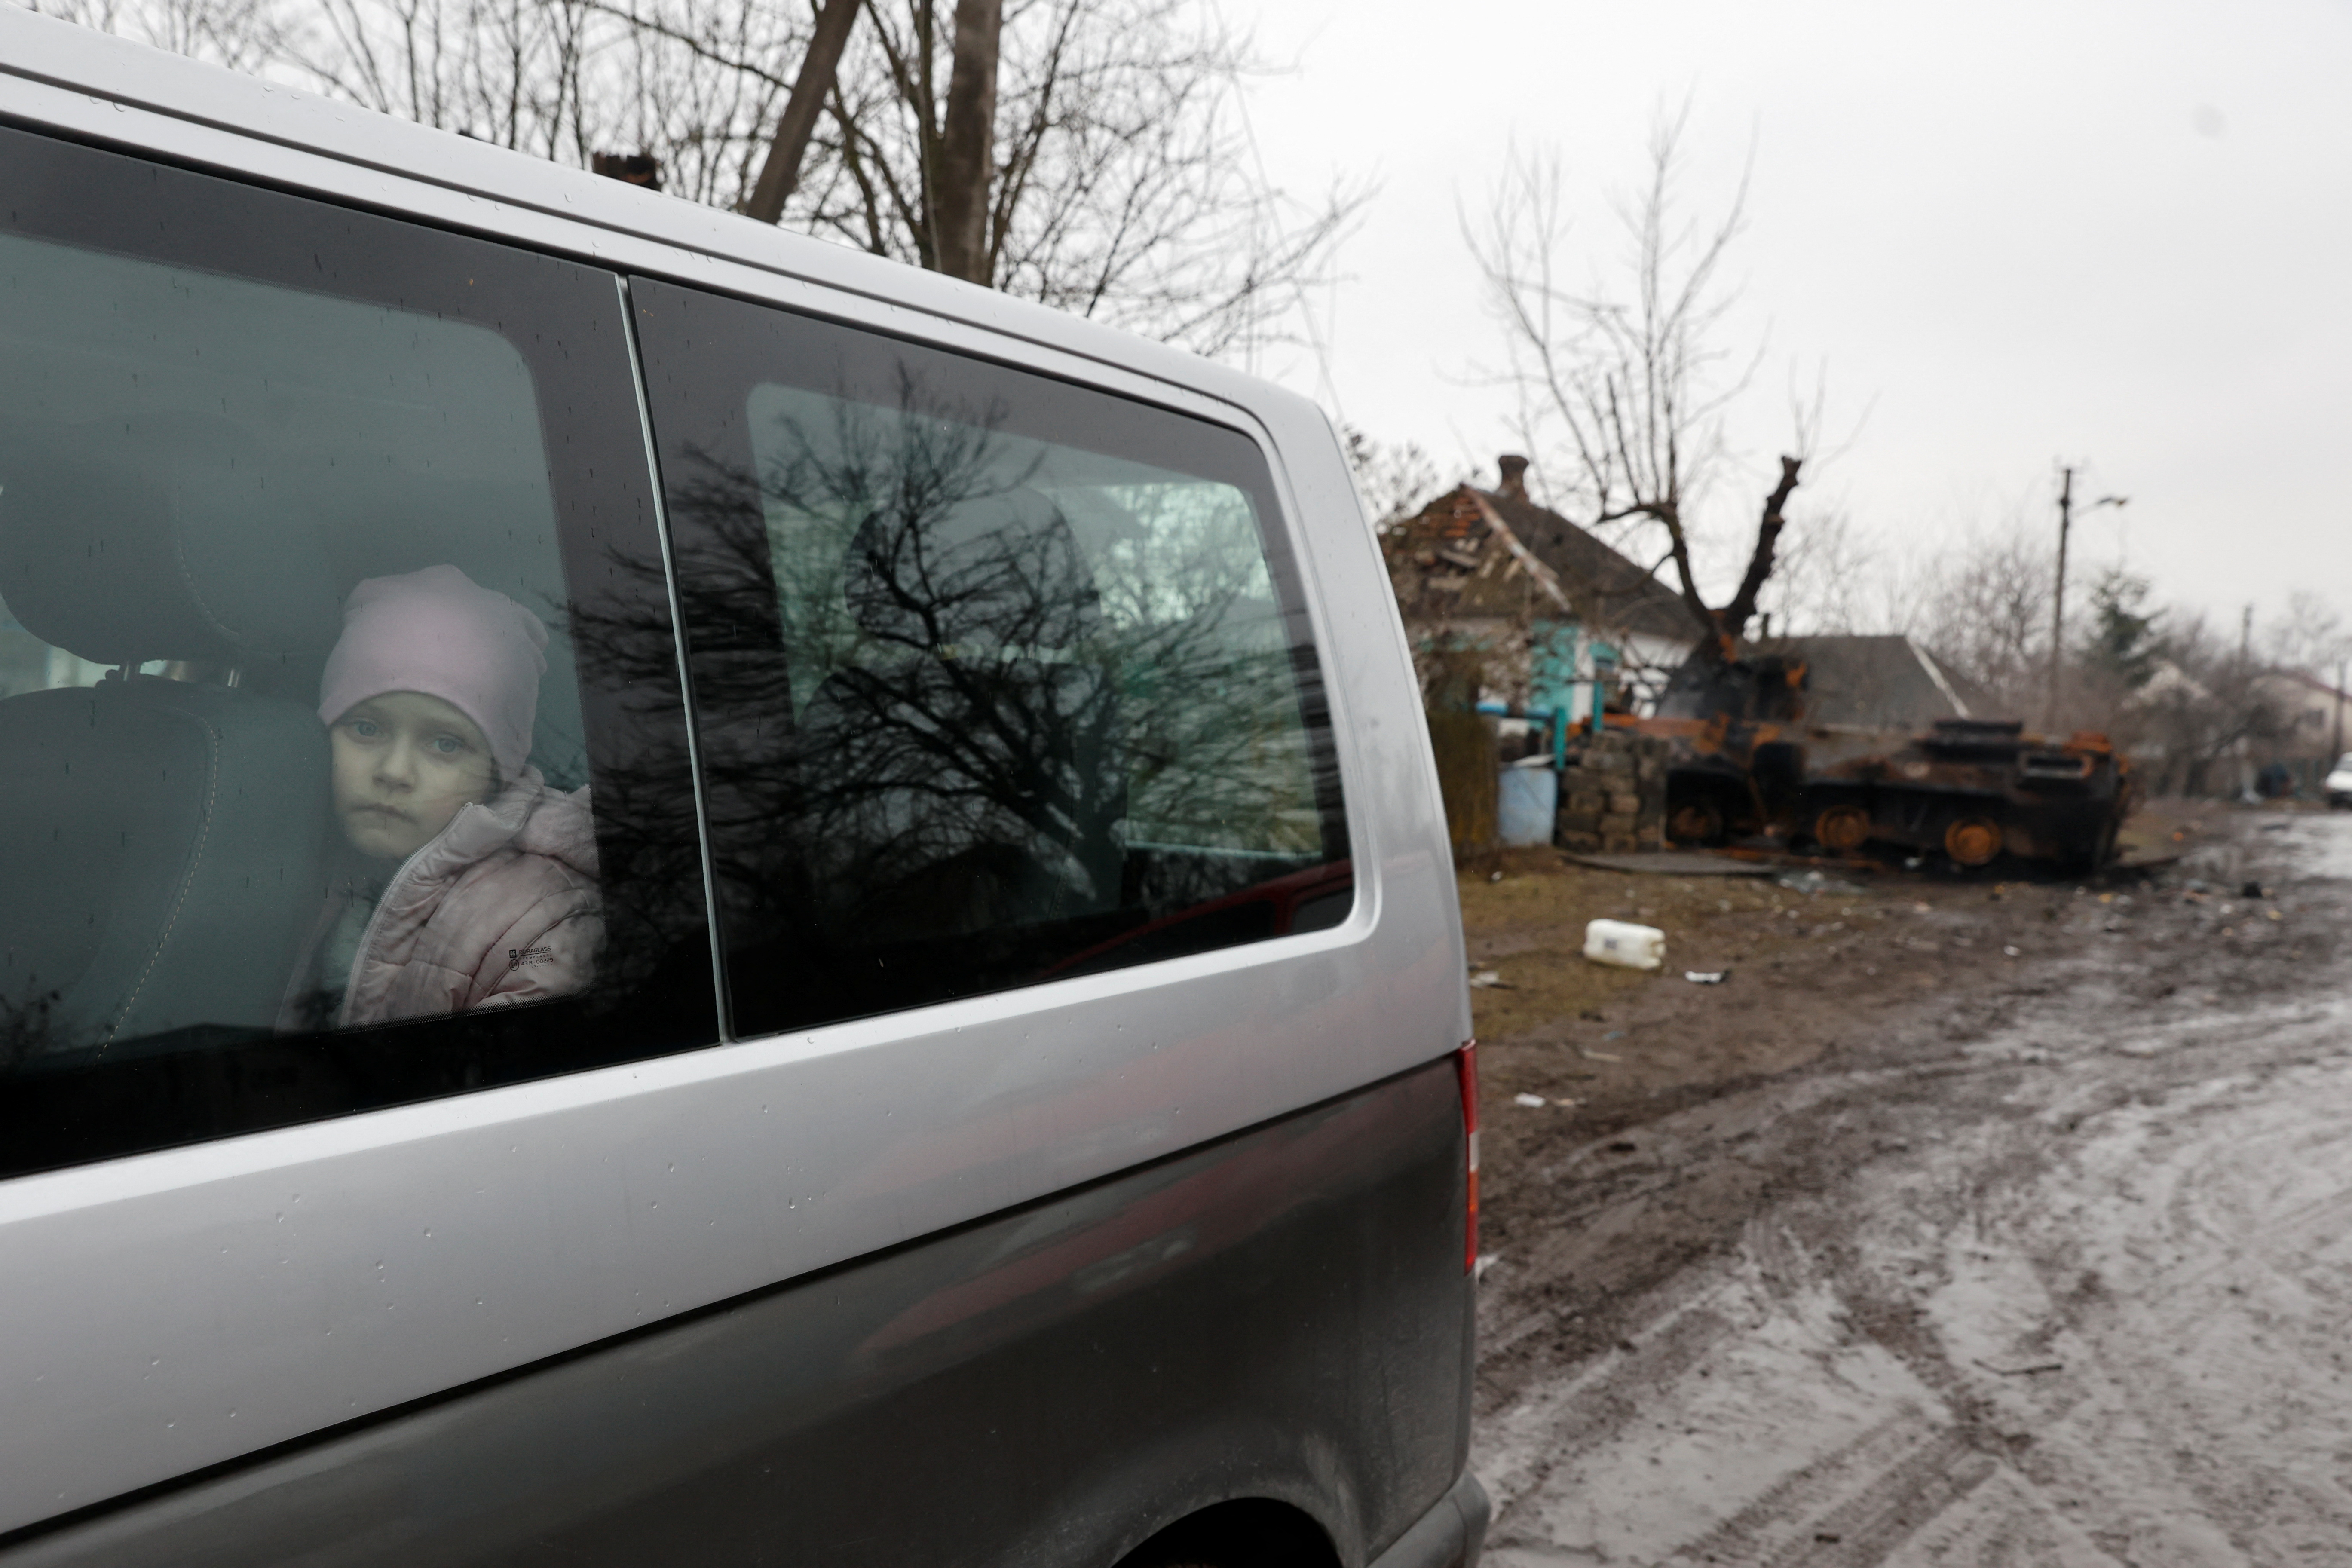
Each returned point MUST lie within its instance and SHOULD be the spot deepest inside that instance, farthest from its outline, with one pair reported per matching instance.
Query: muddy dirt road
(2048, 1261)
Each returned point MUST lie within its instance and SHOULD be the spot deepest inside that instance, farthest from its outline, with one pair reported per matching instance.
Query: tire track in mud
(2074, 1288)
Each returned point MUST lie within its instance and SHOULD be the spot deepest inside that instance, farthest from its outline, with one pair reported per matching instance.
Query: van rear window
(1000, 678)
(302, 599)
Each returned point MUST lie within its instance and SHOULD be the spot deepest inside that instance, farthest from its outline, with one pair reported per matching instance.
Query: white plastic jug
(1623, 944)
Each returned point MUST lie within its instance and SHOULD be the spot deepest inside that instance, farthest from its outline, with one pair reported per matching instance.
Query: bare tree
(1100, 166)
(506, 71)
(1985, 617)
(966, 157)
(1628, 392)
(2210, 703)
(2312, 638)
(1829, 578)
(780, 175)
(1392, 482)
(1121, 186)
(243, 34)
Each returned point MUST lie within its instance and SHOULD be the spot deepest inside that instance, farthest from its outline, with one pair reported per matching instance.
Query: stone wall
(1612, 795)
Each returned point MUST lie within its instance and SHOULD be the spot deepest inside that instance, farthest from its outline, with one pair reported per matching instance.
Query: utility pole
(2335, 752)
(2058, 594)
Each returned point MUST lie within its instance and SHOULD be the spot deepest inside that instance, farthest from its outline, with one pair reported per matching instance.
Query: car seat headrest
(1005, 572)
(167, 558)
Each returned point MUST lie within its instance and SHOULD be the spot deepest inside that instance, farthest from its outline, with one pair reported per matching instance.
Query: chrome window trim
(685, 674)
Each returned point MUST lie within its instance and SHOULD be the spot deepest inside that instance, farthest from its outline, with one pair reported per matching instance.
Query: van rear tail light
(1466, 1067)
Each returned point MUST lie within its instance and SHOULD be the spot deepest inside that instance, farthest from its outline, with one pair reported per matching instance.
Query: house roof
(1873, 682)
(1471, 553)
(1622, 595)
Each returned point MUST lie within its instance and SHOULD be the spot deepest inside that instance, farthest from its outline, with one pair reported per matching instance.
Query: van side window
(1001, 680)
(302, 614)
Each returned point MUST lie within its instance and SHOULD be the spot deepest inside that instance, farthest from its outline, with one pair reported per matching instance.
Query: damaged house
(1513, 608)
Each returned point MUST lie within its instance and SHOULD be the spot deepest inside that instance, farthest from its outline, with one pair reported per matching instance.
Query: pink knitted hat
(438, 632)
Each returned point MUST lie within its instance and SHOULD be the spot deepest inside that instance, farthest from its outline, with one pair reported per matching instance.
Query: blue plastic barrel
(1528, 800)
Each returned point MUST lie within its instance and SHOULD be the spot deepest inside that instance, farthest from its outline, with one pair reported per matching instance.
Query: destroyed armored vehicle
(1746, 764)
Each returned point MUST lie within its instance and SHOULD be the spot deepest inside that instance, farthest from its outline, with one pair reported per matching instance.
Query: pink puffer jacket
(501, 908)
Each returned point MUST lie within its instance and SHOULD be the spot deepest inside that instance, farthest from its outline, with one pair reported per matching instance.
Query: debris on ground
(1814, 883)
(1671, 863)
(1532, 1101)
(1706, 977)
(1625, 944)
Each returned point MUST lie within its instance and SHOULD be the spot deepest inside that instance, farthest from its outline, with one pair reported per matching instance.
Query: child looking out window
(461, 880)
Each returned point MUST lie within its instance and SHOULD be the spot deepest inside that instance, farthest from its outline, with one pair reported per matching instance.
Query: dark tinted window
(341, 757)
(1000, 678)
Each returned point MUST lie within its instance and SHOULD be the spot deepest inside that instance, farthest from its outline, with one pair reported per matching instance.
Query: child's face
(404, 764)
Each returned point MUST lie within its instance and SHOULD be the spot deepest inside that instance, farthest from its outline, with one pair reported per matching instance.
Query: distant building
(1871, 682)
(2312, 715)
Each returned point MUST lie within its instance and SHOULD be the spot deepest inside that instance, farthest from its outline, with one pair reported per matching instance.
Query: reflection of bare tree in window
(958, 684)
(962, 767)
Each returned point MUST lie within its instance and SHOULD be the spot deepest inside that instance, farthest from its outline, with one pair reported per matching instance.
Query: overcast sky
(2118, 235)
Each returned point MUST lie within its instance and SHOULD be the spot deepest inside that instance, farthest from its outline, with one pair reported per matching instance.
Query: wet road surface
(2062, 1278)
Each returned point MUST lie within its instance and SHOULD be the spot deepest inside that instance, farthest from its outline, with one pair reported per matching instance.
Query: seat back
(162, 841)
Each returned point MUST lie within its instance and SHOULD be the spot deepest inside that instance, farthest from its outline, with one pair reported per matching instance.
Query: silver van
(674, 896)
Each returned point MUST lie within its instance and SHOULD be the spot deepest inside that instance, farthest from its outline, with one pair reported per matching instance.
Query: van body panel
(175, 1310)
(1261, 1316)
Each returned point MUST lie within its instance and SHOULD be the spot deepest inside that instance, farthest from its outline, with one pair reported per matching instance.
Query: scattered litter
(2035, 1369)
(1920, 909)
(2009, 952)
(1597, 1056)
(1812, 882)
(1914, 863)
(1488, 980)
(2276, 916)
(1486, 1260)
(1625, 944)
(1494, 876)
(1706, 977)
(1614, 1035)
(1532, 1101)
